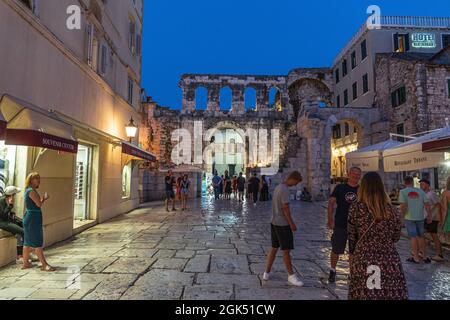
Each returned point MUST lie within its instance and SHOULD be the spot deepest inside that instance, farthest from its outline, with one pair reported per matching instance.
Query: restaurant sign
(423, 40)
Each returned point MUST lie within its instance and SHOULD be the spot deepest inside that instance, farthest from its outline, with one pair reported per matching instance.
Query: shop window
(401, 42)
(344, 68)
(445, 40)
(7, 165)
(345, 97)
(347, 129)
(363, 50)
(354, 63)
(366, 83)
(398, 97)
(337, 131)
(337, 75)
(126, 181)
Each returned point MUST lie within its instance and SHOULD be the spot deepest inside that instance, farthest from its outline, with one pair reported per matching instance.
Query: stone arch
(250, 98)
(201, 97)
(306, 90)
(226, 98)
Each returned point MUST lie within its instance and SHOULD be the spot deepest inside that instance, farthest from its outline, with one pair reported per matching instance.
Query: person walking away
(283, 228)
(32, 223)
(227, 186)
(185, 186)
(343, 196)
(413, 202)
(178, 187)
(264, 189)
(374, 227)
(9, 222)
(222, 186)
(169, 182)
(216, 181)
(254, 187)
(436, 219)
(235, 192)
(241, 186)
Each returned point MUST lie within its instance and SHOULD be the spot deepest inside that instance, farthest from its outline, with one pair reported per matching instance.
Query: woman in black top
(228, 186)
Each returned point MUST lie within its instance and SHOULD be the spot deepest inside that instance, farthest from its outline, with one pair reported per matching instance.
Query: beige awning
(369, 158)
(29, 125)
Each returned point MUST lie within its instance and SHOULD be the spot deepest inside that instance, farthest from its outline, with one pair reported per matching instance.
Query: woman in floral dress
(374, 228)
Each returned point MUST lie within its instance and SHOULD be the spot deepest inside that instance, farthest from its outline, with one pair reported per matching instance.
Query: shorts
(432, 227)
(170, 194)
(415, 228)
(184, 192)
(282, 237)
(339, 240)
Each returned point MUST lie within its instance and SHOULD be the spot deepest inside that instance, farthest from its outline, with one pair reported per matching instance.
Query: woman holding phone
(32, 223)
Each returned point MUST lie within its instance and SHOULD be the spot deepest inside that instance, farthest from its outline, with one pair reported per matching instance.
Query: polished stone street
(213, 251)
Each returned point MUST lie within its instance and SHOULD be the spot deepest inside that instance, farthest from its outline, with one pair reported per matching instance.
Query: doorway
(82, 188)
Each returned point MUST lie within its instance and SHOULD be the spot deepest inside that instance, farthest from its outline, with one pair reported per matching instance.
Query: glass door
(82, 183)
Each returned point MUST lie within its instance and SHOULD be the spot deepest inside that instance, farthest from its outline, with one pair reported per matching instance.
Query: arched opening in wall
(275, 99)
(345, 136)
(201, 98)
(307, 89)
(250, 98)
(226, 98)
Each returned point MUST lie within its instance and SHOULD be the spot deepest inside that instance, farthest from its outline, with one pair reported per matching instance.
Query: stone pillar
(213, 99)
(262, 99)
(238, 104)
(188, 102)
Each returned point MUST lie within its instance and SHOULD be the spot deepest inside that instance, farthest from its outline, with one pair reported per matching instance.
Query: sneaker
(266, 276)
(332, 277)
(427, 260)
(438, 258)
(293, 280)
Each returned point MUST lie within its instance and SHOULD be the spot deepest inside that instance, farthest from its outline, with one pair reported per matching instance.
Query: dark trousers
(16, 228)
(255, 196)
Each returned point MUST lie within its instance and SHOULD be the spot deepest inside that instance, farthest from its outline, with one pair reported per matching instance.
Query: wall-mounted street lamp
(131, 130)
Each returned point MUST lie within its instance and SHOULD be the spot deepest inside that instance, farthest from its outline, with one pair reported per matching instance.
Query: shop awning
(411, 156)
(137, 152)
(368, 158)
(29, 125)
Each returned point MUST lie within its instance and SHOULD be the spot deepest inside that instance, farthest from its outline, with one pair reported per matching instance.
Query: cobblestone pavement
(213, 251)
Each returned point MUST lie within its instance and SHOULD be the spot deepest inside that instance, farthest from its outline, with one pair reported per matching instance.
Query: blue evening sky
(252, 36)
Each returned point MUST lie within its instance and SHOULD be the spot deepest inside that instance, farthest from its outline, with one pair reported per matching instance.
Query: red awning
(32, 126)
(137, 152)
(442, 145)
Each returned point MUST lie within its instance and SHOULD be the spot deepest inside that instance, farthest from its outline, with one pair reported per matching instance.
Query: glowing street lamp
(131, 130)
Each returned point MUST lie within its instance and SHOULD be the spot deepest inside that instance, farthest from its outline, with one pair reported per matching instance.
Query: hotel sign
(423, 40)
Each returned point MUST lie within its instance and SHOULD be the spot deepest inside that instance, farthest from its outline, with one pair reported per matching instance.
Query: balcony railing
(398, 22)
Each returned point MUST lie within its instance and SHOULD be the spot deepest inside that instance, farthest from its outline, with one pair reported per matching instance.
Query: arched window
(275, 99)
(250, 98)
(201, 98)
(226, 98)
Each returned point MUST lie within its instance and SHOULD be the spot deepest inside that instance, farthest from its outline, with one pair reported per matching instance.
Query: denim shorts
(415, 228)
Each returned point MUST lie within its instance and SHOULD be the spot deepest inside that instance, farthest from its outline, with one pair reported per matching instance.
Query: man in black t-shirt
(254, 187)
(343, 196)
(241, 186)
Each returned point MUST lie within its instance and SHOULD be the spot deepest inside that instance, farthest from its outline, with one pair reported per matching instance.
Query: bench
(8, 244)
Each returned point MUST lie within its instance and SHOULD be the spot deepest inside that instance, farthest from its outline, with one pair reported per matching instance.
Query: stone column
(238, 104)
(188, 102)
(213, 99)
(262, 99)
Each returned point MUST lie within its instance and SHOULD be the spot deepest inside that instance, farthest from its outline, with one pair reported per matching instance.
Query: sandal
(412, 260)
(27, 266)
(48, 268)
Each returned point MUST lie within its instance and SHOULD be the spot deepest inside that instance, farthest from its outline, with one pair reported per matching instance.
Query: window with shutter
(445, 40)
(363, 50)
(345, 98)
(354, 63)
(104, 61)
(337, 76)
(448, 88)
(344, 68)
(355, 91)
(366, 83)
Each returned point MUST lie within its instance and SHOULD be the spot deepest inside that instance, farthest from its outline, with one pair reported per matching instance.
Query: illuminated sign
(423, 40)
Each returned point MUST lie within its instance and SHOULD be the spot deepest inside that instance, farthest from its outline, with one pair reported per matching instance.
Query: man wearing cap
(8, 220)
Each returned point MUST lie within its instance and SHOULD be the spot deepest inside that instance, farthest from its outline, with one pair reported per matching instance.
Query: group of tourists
(29, 231)
(361, 214)
(254, 189)
(177, 189)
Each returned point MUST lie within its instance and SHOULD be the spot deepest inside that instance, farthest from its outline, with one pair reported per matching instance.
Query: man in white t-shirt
(433, 226)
